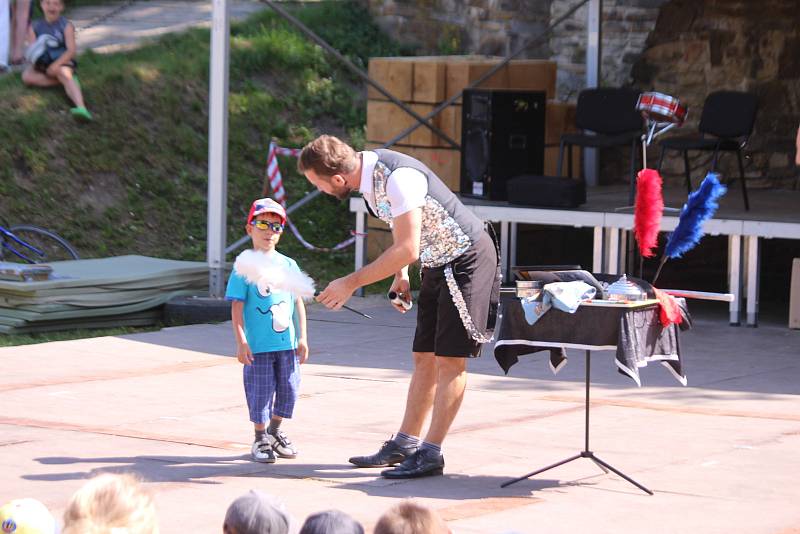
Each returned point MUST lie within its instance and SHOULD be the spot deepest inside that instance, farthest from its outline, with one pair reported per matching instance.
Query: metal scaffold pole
(218, 147)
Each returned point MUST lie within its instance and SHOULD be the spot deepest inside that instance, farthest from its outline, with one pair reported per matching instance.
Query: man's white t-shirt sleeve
(406, 190)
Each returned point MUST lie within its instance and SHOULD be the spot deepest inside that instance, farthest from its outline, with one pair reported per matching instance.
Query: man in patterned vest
(457, 301)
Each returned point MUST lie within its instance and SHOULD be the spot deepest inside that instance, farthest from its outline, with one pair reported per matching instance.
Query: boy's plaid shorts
(271, 385)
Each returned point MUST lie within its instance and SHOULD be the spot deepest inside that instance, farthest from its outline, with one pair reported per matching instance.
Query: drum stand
(585, 453)
(653, 129)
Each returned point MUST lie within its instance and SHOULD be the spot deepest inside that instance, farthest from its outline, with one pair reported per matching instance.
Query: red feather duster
(648, 210)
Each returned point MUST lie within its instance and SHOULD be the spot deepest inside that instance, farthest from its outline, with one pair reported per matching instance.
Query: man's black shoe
(391, 453)
(423, 463)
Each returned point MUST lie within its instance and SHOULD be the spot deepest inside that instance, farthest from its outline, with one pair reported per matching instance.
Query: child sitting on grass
(62, 69)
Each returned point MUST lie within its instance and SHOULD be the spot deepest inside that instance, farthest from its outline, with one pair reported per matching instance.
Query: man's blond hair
(111, 503)
(409, 517)
(327, 155)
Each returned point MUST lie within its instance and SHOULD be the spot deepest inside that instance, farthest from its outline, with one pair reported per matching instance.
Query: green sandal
(81, 113)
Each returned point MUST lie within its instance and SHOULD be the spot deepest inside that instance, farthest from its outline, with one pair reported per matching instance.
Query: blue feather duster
(700, 206)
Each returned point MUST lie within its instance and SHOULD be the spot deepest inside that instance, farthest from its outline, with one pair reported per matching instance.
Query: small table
(633, 329)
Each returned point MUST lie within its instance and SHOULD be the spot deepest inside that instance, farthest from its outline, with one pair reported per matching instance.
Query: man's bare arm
(404, 251)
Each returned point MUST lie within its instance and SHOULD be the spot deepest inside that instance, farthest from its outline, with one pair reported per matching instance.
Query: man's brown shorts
(439, 326)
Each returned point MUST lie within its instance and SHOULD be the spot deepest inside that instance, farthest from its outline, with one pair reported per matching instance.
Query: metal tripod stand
(585, 453)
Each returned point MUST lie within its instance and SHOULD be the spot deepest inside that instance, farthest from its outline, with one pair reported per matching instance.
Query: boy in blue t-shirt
(270, 332)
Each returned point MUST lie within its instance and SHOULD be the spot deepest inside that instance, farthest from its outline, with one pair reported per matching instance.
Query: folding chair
(611, 114)
(725, 126)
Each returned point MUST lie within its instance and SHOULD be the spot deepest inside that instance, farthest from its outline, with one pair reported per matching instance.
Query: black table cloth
(635, 332)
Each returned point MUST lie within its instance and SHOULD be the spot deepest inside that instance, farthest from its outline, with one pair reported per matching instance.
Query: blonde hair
(111, 504)
(327, 155)
(409, 517)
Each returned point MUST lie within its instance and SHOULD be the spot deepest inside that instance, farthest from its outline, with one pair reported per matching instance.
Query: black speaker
(502, 136)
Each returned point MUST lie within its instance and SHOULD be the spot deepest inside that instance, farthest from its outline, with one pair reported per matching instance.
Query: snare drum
(661, 108)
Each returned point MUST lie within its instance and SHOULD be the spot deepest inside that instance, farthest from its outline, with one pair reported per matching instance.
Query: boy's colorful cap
(266, 205)
(26, 516)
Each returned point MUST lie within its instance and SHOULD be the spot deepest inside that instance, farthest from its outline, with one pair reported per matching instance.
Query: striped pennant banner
(279, 194)
(274, 175)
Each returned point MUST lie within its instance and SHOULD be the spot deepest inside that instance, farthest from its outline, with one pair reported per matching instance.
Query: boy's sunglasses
(263, 225)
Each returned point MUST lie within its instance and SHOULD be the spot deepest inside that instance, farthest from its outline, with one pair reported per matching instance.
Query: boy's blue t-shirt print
(268, 315)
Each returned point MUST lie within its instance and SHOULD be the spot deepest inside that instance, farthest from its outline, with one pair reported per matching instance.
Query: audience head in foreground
(409, 517)
(26, 516)
(331, 522)
(111, 503)
(256, 513)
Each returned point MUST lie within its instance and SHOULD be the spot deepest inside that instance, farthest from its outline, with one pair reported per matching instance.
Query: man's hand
(244, 354)
(302, 350)
(337, 293)
(402, 287)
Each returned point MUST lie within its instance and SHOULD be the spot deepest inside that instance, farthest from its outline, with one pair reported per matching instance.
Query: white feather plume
(268, 271)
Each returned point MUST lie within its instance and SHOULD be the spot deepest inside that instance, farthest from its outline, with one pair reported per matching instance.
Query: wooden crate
(463, 70)
(551, 162)
(425, 82)
(559, 119)
(409, 79)
(450, 123)
(385, 120)
(395, 74)
(433, 79)
(445, 162)
(430, 77)
(533, 75)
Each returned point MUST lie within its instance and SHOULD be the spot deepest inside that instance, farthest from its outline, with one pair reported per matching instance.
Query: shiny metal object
(530, 289)
(625, 290)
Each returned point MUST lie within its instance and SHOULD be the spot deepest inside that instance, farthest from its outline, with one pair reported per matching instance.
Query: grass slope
(134, 181)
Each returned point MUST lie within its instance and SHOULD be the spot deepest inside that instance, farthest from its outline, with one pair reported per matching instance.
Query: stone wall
(494, 27)
(490, 27)
(700, 46)
(684, 48)
(626, 24)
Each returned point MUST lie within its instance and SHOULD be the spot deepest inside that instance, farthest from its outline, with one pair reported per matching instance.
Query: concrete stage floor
(766, 205)
(720, 454)
(771, 205)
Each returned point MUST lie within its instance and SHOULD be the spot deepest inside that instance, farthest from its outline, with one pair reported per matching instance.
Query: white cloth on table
(564, 296)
